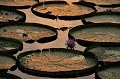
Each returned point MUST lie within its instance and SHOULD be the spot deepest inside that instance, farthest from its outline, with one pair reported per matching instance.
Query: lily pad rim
(77, 17)
(61, 74)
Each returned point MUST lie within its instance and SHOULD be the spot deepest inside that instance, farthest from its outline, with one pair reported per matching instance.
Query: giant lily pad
(11, 15)
(28, 32)
(108, 71)
(10, 46)
(105, 3)
(57, 62)
(98, 33)
(62, 10)
(7, 62)
(102, 17)
(105, 53)
(19, 4)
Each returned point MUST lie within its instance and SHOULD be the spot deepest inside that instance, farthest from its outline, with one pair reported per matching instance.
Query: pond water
(58, 43)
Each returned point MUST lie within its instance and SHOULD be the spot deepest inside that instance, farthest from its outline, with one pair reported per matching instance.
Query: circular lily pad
(102, 17)
(7, 62)
(62, 10)
(57, 62)
(29, 32)
(105, 3)
(97, 33)
(10, 46)
(108, 71)
(11, 15)
(105, 53)
(18, 4)
(8, 76)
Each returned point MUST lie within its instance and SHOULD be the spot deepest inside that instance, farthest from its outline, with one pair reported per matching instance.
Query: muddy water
(58, 43)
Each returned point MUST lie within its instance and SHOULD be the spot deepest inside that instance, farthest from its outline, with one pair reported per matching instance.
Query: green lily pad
(105, 53)
(28, 31)
(7, 62)
(108, 71)
(11, 15)
(10, 46)
(98, 33)
(102, 17)
(57, 62)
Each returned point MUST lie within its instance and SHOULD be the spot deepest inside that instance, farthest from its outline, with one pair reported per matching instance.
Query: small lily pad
(11, 15)
(7, 62)
(10, 46)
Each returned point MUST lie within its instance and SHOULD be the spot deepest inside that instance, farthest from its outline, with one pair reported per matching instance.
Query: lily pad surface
(102, 17)
(28, 32)
(19, 4)
(105, 3)
(62, 10)
(7, 62)
(98, 33)
(57, 62)
(11, 15)
(116, 9)
(105, 53)
(108, 71)
(10, 46)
